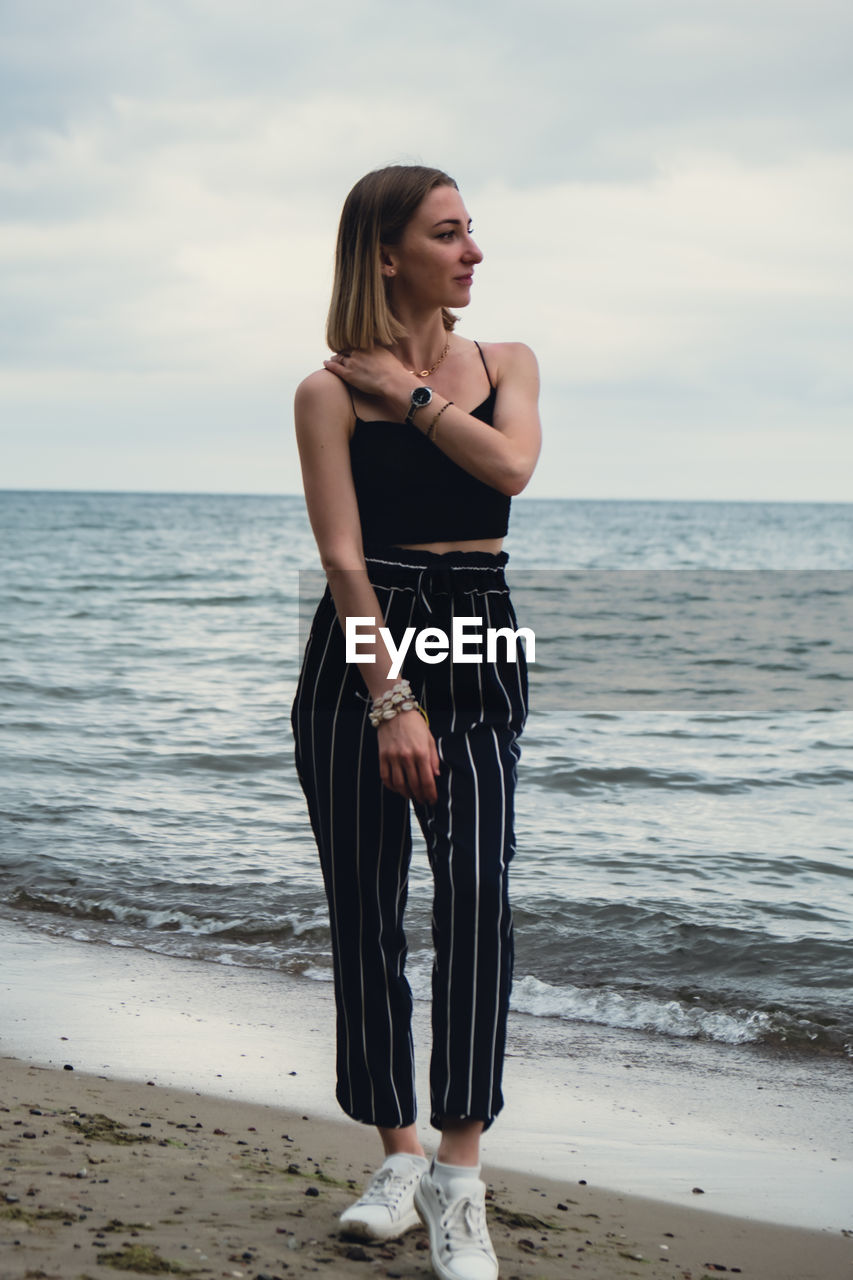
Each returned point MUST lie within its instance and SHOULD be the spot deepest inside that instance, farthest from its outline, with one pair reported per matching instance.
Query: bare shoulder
(510, 358)
(321, 400)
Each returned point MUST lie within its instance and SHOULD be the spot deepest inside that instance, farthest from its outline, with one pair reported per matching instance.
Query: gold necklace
(424, 373)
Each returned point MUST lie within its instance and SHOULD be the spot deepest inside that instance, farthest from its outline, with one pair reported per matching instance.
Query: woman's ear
(386, 262)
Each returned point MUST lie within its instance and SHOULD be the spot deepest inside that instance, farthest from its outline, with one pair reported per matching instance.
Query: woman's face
(433, 265)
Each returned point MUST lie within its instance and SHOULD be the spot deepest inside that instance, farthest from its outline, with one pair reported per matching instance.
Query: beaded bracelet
(430, 434)
(376, 721)
(390, 703)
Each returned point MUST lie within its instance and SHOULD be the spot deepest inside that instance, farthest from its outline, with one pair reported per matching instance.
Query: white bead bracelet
(390, 703)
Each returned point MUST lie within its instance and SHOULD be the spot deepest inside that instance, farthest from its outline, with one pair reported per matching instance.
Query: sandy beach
(159, 1114)
(101, 1175)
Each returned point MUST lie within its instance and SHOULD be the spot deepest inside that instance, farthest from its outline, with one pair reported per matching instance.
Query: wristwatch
(421, 397)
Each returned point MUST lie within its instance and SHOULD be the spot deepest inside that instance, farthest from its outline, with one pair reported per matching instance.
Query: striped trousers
(476, 712)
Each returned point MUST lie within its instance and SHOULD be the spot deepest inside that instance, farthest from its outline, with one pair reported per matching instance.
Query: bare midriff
(492, 545)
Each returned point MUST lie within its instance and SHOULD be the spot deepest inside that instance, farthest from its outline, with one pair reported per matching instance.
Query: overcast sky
(663, 190)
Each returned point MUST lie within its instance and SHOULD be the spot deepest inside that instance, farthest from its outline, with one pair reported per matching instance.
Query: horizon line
(523, 498)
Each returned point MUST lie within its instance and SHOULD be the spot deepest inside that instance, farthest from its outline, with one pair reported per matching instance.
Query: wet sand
(215, 1166)
(100, 1174)
(767, 1137)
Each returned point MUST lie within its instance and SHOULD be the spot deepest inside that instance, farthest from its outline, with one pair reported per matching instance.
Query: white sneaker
(460, 1248)
(386, 1209)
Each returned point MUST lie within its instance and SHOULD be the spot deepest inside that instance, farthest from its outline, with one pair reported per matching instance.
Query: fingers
(366, 369)
(411, 777)
(337, 367)
(408, 758)
(426, 792)
(428, 770)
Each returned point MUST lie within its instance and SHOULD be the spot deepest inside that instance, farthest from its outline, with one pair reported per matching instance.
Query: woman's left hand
(374, 371)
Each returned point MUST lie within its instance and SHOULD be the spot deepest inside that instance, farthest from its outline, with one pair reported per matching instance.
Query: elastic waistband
(404, 557)
(447, 573)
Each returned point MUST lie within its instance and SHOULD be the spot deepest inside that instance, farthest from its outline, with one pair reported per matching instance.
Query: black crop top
(409, 491)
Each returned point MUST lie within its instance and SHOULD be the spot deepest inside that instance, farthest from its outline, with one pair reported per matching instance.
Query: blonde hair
(375, 212)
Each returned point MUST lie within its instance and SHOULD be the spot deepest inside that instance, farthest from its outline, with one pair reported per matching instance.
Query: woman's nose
(473, 252)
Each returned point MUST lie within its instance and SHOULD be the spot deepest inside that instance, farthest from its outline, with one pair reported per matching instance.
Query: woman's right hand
(408, 758)
(375, 372)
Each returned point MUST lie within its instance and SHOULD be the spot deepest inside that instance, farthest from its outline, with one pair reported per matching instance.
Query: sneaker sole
(366, 1231)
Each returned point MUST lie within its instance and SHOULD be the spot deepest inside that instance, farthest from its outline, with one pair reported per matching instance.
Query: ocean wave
(675, 1017)
(274, 762)
(92, 691)
(251, 929)
(638, 1011)
(134, 763)
(209, 602)
(584, 779)
(299, 944)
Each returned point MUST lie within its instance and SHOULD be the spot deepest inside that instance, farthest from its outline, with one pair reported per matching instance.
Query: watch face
(421, 396)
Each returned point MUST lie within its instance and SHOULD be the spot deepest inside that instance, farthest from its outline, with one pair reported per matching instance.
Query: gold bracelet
(430, 435)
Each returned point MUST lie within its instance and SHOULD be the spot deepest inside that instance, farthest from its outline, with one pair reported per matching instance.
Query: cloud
(683, 274)
(661, 193)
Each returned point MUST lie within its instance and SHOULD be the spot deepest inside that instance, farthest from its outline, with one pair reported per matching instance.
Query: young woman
(412, 441)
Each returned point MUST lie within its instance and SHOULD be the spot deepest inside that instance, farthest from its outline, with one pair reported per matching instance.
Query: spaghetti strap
(485, 366)
(351, 399)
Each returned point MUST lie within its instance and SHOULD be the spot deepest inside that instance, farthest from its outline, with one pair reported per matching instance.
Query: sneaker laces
(387, 1186)
(464, 1224)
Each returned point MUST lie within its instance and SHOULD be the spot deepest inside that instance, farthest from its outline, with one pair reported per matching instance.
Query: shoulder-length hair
(375, 212)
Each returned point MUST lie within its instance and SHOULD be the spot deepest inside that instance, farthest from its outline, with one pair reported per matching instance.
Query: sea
(685, 790)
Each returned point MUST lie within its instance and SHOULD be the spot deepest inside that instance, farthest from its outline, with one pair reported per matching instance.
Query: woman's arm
(502, 455)
(408, 760)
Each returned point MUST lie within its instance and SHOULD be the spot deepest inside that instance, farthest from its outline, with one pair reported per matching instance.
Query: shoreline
(102, 1173)
(766, 1140)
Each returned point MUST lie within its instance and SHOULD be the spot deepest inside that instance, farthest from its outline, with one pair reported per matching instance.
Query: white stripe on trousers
(363, 835)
